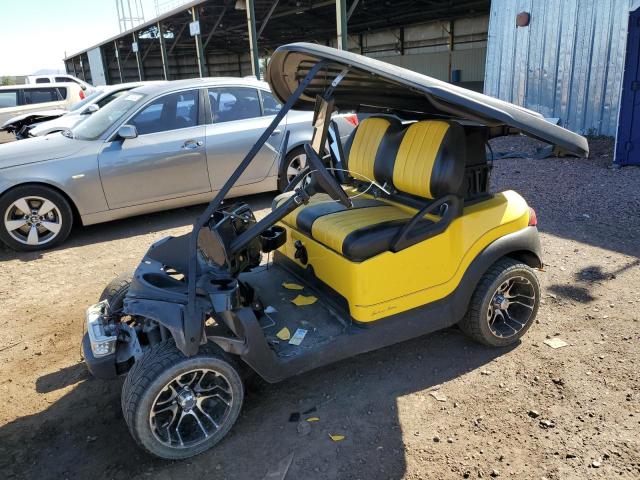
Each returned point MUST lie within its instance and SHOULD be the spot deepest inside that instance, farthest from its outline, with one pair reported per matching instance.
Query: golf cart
(388, 237)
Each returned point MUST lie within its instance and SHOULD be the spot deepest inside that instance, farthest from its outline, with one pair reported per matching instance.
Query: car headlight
(102, 342)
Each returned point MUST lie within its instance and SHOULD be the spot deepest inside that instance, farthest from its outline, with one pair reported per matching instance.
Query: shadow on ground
(586, 279)
(133, 226)
(83, 434)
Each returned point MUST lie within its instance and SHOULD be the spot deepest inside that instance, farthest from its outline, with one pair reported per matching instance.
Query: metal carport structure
(233, 36)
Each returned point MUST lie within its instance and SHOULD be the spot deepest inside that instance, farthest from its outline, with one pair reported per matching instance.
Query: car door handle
(276, 132)
(191, 144)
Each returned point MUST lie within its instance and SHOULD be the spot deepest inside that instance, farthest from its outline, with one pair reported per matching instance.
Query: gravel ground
(528, 412)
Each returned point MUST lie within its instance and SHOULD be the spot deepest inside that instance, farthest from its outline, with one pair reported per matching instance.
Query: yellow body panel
(416, 156)
(391, 283)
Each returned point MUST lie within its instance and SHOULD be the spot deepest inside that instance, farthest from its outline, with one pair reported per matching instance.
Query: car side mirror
(127, 132)
(93, 108)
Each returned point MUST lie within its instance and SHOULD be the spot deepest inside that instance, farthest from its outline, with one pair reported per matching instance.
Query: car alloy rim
(33, 220)
(511, 307)
(296, 165)
(191, 408)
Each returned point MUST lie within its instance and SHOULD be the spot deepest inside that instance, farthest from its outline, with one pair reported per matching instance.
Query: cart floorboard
(321, 321)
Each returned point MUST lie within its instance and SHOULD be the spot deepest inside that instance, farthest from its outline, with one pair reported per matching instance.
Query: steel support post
(253, 39)
(163, 52)
(450, 45)
(202, 67)
(117, 52)
(138, 57)
(341, 24)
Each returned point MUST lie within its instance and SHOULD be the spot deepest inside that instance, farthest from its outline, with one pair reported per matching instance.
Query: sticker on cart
(298, 337)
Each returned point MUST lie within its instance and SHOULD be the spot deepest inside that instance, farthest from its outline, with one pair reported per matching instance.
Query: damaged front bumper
(108, 348)
(98, 345)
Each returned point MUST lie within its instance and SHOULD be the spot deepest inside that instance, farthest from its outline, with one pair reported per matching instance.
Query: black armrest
(413, 232)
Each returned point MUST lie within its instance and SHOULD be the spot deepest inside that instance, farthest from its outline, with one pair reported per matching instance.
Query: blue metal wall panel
(568, 63)
(628, 142)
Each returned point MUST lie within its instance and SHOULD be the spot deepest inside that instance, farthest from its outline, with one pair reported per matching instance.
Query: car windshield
(87, 99)
(99, 122)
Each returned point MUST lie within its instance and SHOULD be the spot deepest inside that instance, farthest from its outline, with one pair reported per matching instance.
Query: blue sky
(35, 34)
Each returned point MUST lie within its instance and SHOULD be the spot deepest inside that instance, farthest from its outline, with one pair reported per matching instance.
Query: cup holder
(272, 238)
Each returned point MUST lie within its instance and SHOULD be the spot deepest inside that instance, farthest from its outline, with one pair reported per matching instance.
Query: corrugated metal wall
(426, 48)
(567, 63)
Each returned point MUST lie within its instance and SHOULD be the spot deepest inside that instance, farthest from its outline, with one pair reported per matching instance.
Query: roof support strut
(215, 26)
(253, 39)
(267, 17)
(352, 8)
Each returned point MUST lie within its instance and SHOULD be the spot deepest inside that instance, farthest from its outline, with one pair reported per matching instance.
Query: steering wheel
(325, 180)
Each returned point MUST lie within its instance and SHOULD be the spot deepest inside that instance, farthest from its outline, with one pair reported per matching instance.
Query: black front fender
(169, 315)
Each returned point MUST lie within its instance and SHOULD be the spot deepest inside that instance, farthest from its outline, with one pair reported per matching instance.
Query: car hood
(62, 123)
(39, 114)
(39, 149)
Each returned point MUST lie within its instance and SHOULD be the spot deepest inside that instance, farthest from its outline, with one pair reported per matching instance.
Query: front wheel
(504, 304)
(34, 217)
(177, 406)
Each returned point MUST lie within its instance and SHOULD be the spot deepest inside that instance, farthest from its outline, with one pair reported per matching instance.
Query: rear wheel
(34, 217)
(177, 406)
(504, 304)
(294, 163)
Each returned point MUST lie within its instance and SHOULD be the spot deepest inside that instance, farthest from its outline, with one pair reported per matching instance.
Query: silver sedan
(157, 147)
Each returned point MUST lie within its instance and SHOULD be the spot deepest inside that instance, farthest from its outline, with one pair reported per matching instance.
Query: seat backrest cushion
(430, 160)
(361, 149)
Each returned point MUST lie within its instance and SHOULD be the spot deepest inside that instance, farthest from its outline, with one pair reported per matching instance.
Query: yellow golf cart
(389, 236)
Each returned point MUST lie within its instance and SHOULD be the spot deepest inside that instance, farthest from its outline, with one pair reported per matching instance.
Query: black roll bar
(193, 323)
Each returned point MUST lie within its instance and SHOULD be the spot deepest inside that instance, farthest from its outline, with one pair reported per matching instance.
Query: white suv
(59, 78)
(20, 99)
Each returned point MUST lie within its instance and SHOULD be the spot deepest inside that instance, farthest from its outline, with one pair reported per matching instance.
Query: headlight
(102, 343)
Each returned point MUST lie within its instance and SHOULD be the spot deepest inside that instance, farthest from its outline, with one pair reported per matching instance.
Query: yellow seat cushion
(363, 151)
(333, 230)
(416, 156)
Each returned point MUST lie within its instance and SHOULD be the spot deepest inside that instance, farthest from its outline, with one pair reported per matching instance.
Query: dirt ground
(56, 422)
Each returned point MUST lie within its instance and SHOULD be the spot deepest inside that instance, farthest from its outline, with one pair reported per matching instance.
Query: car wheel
(115, 292)
(294, 163)
(34, 217)
(504, 304)
(177, 406)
